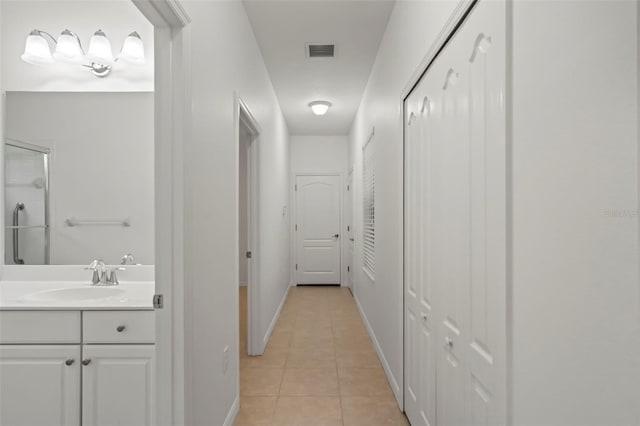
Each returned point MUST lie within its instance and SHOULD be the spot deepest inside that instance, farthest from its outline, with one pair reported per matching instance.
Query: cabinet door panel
(118, 385)
(37, 387)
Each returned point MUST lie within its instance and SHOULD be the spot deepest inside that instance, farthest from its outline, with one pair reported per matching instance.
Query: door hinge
(348, 268)
(295, 187)
(296, 266)
(348, 187)
(296, 227)
(249, 255)
(348, 228)
(158, 301)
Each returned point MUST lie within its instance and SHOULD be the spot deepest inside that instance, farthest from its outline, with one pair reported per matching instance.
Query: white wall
(101, 167)
(412, 29)
(319, 155)
(576, 296)
(116, 18)
(225, 60)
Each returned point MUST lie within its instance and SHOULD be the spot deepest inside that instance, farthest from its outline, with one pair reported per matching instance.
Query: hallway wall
(412, 29)
(225, 60)
(575, 289)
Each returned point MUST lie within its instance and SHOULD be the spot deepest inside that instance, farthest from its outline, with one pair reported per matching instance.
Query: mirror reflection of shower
(16, 234)
(27, 203)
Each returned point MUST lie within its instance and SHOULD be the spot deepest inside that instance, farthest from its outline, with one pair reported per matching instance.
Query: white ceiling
(283, 27)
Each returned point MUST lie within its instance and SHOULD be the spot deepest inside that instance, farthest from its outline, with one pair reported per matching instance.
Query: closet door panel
(484, 40)
(455, 230)
(453, 284)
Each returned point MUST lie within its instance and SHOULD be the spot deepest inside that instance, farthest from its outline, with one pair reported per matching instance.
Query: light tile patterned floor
(319, 369)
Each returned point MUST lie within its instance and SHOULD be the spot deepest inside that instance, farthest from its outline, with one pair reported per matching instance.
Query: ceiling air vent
(321, 50)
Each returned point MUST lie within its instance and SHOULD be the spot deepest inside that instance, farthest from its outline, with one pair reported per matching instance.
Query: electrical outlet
(225, 360)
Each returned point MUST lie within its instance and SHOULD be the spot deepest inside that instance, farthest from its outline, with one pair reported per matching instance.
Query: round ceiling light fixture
(319, 107)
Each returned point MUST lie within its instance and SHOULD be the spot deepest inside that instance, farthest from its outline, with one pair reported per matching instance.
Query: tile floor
(319, 368)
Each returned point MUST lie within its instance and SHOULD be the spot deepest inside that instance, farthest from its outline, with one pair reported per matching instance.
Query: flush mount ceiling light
(320, 107)
(68, 48)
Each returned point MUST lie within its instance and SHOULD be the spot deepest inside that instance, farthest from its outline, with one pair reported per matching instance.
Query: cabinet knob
(70, 361)
(86, 361)
(120, 328)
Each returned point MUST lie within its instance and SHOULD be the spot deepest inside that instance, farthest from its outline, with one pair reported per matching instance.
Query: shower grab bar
(72, 221)
(16, 238)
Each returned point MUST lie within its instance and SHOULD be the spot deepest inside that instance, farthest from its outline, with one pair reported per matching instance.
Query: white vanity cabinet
(39, 385)
(118, 368)
(72, 368)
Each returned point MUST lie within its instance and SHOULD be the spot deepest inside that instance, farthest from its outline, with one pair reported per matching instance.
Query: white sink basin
(75, 294)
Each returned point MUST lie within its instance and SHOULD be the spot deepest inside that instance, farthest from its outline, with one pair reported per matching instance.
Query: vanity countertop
(69, 295)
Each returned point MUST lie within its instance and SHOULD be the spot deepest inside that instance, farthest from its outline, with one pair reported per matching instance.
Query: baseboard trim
(275, 318)
(385, 365)
(233, 412)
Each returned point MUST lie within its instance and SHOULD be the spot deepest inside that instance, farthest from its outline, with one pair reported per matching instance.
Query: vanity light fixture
(68, 48)
(320, 107)
(36, 49)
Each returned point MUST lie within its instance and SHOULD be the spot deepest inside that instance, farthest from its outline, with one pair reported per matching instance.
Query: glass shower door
(26, 204)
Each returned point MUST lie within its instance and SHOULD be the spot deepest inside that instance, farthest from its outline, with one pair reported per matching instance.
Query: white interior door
(455, 231)
(317, 230)
(350, 243)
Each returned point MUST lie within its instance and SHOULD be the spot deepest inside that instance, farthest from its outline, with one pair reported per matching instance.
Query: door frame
(172, 119)
(295, 221)
(244, 117)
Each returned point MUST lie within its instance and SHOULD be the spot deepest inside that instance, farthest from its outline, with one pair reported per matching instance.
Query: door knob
(336, 236)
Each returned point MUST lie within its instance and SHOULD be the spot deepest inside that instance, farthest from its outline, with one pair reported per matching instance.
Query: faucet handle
(127, 259)
(99, 270)
(112, 277)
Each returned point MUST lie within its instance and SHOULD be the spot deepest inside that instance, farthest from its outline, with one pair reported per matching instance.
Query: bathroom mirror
(78, 177)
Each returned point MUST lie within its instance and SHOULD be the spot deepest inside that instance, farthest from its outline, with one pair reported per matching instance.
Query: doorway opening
(248, 235)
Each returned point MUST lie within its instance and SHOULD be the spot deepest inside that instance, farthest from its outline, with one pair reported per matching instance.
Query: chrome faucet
(102, 275)
(99, 270)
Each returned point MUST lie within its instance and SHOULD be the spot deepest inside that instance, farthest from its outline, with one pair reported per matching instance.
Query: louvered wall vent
(321, 50)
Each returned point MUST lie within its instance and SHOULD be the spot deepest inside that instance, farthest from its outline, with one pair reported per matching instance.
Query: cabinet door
(118, 385)
(40, 385)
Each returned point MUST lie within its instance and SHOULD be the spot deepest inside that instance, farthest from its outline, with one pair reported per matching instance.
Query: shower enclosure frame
(46, 153)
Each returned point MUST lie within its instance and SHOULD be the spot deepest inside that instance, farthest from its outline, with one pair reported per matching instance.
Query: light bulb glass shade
(100, 49)
(68, 48)
(36, 50)
(132, 50)
(320, 107)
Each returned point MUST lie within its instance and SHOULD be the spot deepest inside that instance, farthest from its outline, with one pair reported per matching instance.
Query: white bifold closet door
(455, 230)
